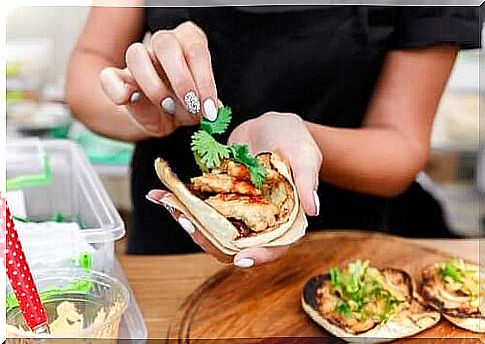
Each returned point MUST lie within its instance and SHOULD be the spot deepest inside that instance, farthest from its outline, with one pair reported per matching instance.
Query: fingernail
(187, 225)
(168, 105)
(210, 109)
(244, 263)
(135, 97)
(192, 102)
(317, 203)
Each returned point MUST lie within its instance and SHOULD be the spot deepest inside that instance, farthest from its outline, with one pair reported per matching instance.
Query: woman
(349, 94)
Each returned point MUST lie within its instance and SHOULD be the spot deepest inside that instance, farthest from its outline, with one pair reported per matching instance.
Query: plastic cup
(95, 294)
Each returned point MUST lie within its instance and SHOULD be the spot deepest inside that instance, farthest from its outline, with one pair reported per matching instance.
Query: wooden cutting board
(264, 302)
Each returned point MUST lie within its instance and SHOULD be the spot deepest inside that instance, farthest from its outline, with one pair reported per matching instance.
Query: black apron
(319, 62)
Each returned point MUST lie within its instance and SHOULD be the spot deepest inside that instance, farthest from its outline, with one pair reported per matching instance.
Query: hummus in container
(92, 310)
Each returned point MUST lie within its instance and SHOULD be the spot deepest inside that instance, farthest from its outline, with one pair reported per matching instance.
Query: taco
(231, 211)
(361, 303)
(456, 289)
(240, 200)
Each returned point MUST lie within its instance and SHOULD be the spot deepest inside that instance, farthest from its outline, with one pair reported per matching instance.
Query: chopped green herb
(257, 172)
(453, 269)
(208, 153)
(219, 126)
(357, 287)
(335, 277)
(344, 309)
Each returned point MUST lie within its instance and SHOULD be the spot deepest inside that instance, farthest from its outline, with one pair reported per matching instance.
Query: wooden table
(161, 283)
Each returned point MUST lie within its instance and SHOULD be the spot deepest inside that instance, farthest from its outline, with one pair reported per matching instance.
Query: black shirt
(320, 62)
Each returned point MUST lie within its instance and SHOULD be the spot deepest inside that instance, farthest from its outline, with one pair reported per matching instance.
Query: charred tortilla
(231, 212)
(360, 302)
(457, 290)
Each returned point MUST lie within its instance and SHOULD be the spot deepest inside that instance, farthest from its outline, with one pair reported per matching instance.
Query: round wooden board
(264, 302)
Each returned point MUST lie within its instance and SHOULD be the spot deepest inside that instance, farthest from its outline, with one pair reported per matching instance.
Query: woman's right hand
(168, 83)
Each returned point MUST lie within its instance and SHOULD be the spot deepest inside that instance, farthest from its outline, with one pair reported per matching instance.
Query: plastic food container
(79, 304)
(73, 192)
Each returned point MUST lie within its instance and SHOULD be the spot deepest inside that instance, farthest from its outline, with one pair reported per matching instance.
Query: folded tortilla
(217, 228)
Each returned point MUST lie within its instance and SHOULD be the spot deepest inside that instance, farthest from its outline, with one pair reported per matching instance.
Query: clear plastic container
(78, 194)
(93, 311)
(75, 192)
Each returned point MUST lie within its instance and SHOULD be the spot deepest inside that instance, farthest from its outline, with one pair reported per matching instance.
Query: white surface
(58, 25)
(464, 208)
(457, 122)
(51, 245)
(465, 74)
(16, 203)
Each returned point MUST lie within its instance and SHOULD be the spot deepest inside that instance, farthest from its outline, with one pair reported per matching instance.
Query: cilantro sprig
(209, 153)
(240, 153)
(208, 150)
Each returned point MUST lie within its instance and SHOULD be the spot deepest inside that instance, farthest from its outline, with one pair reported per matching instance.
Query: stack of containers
(73, 191)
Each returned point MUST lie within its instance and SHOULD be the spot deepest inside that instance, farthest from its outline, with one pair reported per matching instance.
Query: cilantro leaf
(209, 152)
(258, 175)
(219, 126)
(200, 163)
(257, 172)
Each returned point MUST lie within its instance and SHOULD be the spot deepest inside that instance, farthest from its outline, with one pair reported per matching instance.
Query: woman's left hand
(287, 134)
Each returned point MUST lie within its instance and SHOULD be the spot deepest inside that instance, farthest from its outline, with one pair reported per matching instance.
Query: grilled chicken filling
(456, 288)
(251, 210)
(360, 297)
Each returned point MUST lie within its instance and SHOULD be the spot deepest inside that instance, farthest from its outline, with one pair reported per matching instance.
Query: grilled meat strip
(229, 190)
(255, 211)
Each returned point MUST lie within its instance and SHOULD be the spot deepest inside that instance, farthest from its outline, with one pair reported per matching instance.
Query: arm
(107, 34)
(384, 156)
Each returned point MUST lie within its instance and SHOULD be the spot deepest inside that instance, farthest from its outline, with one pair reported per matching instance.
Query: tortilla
(471, 324)
(458, 309)
(217, 228)
(410, 319)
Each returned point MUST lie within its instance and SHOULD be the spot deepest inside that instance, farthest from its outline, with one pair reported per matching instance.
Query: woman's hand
(288, 135)
(167, 83)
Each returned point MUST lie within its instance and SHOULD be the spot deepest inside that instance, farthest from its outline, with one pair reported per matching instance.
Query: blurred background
(37, 57)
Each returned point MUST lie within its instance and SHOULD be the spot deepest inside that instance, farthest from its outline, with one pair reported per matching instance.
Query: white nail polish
(192, 102)
(187, 225)
(168, 105)
(210, 109)
(244, 263)
(135, 97)
(317, 203)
